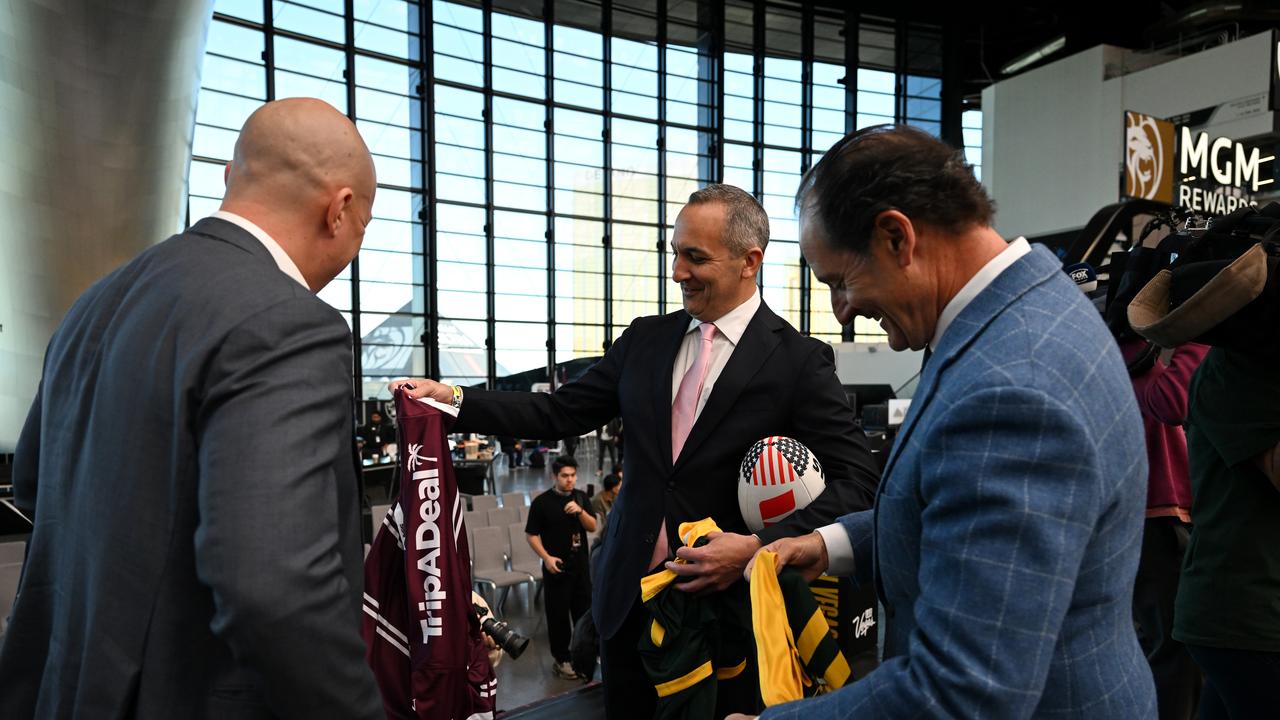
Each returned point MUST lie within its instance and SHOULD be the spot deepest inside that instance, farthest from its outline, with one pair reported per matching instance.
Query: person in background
(607, 441)
(1161, 391)
(570, 443)
(621, 441)
(602, 503)
(1227, 612)
(557, 527)
(377, 434)
(189, 462)
(513, 449)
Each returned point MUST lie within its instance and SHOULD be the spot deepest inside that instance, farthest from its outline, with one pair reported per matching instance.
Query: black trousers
(606, 446)
(628, 691)
(1178, 681)
(1239, 684)
(567, 596)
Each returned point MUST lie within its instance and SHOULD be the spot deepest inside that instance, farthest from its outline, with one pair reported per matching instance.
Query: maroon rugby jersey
(423, 637)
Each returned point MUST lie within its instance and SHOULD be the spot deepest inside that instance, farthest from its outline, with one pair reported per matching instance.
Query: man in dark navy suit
(695, 389)
(188, 461)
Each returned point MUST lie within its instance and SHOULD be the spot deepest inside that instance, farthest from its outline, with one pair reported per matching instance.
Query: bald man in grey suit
(188, 461)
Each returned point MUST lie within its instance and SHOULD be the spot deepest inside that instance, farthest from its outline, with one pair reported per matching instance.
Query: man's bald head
(301, 171)
(298, 145)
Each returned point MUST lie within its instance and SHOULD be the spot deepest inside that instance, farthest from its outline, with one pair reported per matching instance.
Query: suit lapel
(670, 341)
(758, 342)
(1027, 272)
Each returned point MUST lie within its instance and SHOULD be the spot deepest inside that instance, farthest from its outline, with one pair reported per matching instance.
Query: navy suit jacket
(1007, 529)
(777, 382)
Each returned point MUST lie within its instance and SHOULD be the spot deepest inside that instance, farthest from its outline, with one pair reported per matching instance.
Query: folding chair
(501, 517)
(523, 558)
(482, 503)
(489, 552)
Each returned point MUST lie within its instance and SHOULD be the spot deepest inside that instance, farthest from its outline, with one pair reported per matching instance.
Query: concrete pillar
(97, 109)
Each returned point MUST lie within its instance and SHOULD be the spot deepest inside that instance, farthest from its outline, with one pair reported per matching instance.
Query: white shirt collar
(733, 323)
(283, 261)
(977, 284)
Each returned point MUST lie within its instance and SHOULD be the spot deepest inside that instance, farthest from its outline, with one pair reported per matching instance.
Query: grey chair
(489, 552)
(481, 503)
(523, 558)
(476, 518)
(10, 573)
(502, 517)
(376, 514)
(13, 552)
(514, 500)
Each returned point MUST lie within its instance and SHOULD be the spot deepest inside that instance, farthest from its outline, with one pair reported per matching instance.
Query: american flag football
(778, 476)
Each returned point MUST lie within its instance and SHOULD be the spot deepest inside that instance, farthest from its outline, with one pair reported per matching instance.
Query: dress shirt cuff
(839, 549)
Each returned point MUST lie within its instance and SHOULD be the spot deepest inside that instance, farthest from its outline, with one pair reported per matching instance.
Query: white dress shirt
(839, 549)
(977, 284)
(729, 329)
(283, 261)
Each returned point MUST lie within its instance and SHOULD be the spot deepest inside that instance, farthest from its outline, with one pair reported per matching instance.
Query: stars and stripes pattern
(777, 460)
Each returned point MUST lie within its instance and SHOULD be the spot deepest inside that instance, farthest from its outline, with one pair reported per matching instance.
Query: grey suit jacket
(188, 464)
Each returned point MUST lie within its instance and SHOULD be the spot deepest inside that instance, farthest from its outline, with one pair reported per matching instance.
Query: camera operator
(559, 520)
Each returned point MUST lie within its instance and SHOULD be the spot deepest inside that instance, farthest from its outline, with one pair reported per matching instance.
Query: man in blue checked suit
(1005, 534)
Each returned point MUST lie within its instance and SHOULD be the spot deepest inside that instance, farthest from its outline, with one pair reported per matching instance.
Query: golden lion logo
(1148, 158)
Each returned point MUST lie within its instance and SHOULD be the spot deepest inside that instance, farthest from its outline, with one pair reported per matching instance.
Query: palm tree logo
(415, 457)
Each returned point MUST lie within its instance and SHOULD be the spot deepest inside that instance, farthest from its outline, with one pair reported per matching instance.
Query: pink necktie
(683, 412)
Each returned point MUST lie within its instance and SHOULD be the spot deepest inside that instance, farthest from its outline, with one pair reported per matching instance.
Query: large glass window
(830, 120)
(971, 122)
(532, 161)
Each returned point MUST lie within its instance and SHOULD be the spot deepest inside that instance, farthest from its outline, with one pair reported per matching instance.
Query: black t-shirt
(377, 435)
(562, 534)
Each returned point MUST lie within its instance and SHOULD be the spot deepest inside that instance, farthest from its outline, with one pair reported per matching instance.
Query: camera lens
(508, 639)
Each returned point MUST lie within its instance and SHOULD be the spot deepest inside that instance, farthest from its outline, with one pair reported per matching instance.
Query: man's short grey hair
(746, 225)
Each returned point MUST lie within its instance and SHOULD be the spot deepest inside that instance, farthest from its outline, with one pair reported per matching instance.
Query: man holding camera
(559, 520)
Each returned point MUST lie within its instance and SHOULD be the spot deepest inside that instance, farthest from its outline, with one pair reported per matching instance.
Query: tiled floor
(529, 678)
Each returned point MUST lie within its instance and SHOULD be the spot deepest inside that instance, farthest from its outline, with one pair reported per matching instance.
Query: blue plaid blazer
(1005, 535)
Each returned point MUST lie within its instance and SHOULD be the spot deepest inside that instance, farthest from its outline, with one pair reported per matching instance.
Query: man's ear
(752, 259)
(336, 213)
(896, 234)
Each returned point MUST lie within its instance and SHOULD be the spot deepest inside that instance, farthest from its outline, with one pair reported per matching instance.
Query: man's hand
(553, 564)
(716, 565)
(807, 553)
(572, 508)
(420, 388)
(740, 716)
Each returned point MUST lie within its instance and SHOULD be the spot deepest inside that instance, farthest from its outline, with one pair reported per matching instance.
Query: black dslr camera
(509, 640)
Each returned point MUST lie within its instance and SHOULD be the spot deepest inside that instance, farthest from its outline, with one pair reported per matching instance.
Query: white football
(778, 476)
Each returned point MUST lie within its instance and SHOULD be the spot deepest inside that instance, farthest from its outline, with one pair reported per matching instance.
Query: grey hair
(746, 225)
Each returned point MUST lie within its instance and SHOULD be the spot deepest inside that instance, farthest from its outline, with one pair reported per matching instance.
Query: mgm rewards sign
(1172, 164)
